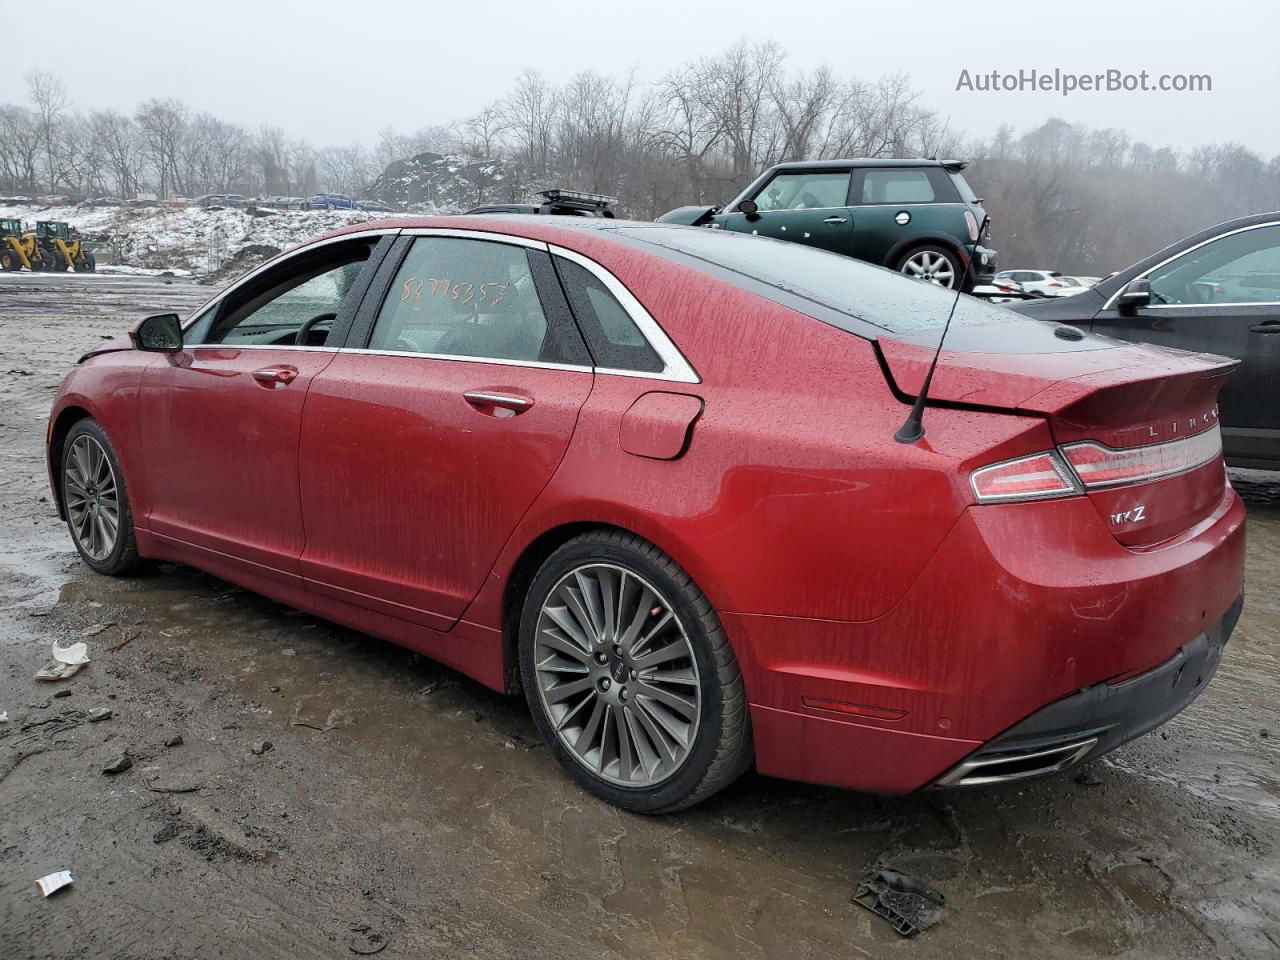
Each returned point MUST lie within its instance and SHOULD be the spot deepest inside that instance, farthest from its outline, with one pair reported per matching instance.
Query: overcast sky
(338, 72)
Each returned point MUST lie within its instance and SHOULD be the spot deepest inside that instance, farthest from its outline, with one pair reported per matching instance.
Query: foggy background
(660, 104)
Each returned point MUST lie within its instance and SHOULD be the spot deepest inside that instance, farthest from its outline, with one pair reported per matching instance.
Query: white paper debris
(66, 662)
(54, 882)
(4, 716)
(77, 653)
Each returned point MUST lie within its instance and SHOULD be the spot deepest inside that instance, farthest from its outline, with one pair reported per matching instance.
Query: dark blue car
(333, 201)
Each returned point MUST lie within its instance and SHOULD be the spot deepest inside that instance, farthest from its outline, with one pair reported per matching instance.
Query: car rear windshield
(966, 191)
(852, 293)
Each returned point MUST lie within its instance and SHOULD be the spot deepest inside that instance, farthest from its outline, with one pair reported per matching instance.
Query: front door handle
(276, 376)
(498, 404)
(834, 220)
(1266, 326)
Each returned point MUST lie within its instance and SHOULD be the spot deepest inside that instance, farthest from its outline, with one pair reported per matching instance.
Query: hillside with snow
(191, 240)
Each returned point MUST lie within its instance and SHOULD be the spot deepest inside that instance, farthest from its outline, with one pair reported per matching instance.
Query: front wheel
(87, 263)
(933, 265)
(630, 677)
(96, 502)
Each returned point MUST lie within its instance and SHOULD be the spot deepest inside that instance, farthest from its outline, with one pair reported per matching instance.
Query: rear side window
(897, 186)
(613, 338)
(463, 298)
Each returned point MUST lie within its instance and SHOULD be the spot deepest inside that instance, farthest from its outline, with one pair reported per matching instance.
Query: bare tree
(20, 143)
(49, 96)
(162, 125)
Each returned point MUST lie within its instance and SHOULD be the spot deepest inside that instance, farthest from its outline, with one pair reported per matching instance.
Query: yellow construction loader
(18, 248)
(62, 249)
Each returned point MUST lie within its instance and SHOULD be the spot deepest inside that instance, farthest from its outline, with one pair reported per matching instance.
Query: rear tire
(933, 264)
(9, 259)
(679, 704)
(96, 501)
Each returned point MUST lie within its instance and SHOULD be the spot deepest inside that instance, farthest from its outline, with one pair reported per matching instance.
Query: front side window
(295, 307)
(463, 298)
(897, 186)
(1241, 267)
(804, 191)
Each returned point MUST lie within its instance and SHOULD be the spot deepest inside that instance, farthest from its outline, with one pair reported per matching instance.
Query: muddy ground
(404, 809)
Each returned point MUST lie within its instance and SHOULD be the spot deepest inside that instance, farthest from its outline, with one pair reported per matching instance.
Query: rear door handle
(490, 402)
(275, 376)
(1266, 326)
(834, 220)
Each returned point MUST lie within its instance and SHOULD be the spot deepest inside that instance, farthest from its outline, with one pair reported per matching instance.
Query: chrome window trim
(675, 368)
(1177, 256)
(258, 346)
(474, 235)
(1212, 306)
(536, 364)
(278, 261)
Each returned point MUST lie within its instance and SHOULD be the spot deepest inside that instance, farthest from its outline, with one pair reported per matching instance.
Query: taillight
(1100, 466)
(1037, 477)
(971, 222)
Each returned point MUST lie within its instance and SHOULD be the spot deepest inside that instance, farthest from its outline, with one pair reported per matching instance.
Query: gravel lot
(404, 810)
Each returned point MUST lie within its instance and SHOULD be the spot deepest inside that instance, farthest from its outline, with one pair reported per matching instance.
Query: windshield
(848, 288)
(966, 191)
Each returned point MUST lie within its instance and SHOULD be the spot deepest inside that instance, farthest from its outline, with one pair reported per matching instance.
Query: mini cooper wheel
(96, 501)
(630, 677)
(933, 265)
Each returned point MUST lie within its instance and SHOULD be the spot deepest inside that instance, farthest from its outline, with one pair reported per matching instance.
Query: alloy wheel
(93, 497)
(616, 675)
(931, 267)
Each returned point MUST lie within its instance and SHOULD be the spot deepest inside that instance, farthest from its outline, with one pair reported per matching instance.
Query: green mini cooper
(915, 216)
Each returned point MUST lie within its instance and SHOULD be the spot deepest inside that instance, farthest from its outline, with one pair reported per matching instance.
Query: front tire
(933, 264)
(630, 677)
(96, 501)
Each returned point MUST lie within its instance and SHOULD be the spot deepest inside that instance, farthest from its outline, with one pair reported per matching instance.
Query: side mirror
(749, 208)
(159, 334)
(1137, 293)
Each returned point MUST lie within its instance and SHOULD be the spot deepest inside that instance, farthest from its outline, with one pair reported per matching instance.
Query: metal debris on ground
(364, 940)
(54, 882)
(66, 662)
(128, 636)
(909, 905)
(261, 746)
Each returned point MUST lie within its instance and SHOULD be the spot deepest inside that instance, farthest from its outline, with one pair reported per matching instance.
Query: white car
(1043, 283)
(1086, 281)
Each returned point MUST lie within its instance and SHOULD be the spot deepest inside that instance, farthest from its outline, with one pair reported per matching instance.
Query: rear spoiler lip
(1215, 366)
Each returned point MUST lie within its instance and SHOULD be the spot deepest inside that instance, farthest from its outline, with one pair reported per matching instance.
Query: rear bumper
(985, 263)
(1023, 607)
(1092, 721)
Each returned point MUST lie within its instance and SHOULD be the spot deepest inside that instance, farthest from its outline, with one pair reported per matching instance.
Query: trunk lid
(1112, 408)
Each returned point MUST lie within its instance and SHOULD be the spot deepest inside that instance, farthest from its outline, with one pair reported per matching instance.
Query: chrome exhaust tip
(1008, 766)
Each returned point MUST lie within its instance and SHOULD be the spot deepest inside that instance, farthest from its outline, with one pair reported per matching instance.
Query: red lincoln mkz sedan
(648, 474)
